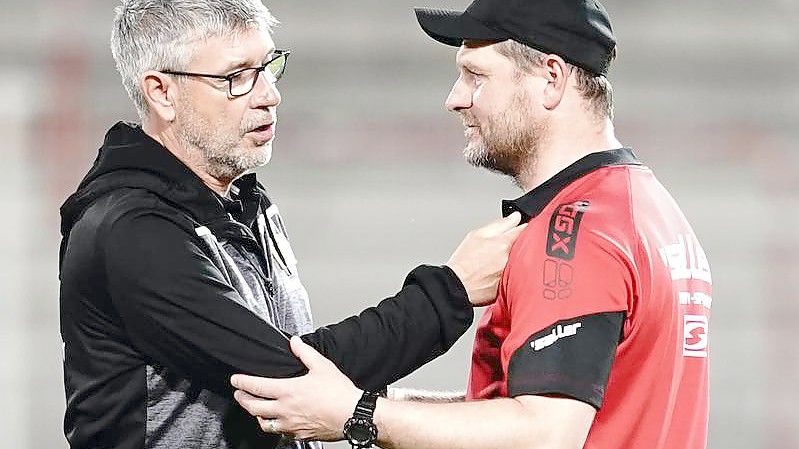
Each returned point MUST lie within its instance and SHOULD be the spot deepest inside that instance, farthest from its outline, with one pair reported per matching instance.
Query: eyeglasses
(241, 82)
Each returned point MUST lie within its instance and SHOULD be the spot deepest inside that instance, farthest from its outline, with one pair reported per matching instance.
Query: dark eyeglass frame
(229, 77)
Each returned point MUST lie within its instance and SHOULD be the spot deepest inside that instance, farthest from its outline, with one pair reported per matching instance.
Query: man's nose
(265, 92)
(460, 97)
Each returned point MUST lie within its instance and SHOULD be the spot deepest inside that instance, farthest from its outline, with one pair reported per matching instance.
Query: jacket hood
(129, 158)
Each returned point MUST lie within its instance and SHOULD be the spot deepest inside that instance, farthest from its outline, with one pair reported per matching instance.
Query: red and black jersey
(605, 299)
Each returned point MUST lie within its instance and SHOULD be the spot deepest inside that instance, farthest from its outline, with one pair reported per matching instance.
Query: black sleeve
(179, 313)
(385, 343)
(571, 358)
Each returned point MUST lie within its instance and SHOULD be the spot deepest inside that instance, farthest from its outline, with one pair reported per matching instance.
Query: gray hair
(158, 34)
(595, 89)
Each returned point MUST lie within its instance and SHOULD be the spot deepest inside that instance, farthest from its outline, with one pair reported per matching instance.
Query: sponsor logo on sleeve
(694, 336)
(686, 263)
(695, 298)
(558, 332)
(558, 277)
(686, 259)
(563, 227)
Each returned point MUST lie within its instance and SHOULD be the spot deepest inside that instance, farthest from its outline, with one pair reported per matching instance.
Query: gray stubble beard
(509, 142)
(221, 154)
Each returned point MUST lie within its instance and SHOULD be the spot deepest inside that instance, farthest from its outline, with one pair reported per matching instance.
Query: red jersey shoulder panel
(576, 258)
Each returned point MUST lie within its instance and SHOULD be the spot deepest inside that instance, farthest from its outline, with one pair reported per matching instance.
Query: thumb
(307, 354)
(504, 224)
(514, 232)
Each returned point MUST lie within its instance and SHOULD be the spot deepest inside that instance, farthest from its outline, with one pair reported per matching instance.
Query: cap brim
(452, 27)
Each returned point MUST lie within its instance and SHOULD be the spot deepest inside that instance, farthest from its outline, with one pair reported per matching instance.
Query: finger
(512, 220)
(270, 425)
(308, 355)
(504, 224)
(259, 386)
(514, 232)
(265, 408)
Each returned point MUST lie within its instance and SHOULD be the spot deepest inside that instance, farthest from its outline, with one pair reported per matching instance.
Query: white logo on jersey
(557, 333)
(697, 298)
(686, 259)
(694, 336)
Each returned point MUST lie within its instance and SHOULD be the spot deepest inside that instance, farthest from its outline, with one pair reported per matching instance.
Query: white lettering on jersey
(686, 259)
(694, 336)
(557, 333)
(698, 298)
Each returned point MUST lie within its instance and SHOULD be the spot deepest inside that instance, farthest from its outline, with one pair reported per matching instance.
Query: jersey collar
(531, 203)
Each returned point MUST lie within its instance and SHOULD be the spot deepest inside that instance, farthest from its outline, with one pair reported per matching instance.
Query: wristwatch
(360, 430)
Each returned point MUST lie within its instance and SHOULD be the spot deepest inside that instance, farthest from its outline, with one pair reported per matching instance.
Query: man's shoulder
(599, 204)
(90, 233)
(125, 205)
(587, 224)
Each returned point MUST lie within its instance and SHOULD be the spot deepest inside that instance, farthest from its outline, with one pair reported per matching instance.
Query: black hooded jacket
(140, 290)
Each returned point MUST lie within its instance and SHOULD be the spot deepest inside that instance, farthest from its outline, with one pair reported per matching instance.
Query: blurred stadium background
(368, 174)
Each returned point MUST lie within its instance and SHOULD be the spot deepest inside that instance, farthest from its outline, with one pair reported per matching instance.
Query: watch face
(360, 431)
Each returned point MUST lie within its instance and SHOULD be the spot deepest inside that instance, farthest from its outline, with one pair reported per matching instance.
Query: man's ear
(556, 72)
(160, 91)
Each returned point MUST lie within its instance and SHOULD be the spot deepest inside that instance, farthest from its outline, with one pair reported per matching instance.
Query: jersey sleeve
(567, 290)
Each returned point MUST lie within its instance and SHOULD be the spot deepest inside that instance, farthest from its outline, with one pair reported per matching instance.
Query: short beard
(509, 141)
(221, 153)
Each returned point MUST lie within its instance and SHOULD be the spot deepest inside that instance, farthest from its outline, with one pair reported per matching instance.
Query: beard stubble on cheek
(223, 149)
(506, 142)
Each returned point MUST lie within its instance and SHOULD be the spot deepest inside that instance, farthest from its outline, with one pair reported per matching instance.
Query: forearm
(497, 423)
(318, 405)
(387, 342)
(436, 397)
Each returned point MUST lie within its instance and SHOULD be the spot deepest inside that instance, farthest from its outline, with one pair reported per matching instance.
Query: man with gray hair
(175, 267)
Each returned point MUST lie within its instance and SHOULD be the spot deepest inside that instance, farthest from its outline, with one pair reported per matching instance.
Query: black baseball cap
(579, 31)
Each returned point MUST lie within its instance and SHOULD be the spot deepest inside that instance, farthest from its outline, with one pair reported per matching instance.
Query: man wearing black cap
(599, 334)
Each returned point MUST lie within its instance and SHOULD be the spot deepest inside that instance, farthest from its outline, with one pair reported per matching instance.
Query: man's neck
(191, 159)
(563, 147)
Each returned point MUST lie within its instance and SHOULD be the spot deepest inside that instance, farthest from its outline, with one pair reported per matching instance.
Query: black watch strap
(360, 431)
(365, 408)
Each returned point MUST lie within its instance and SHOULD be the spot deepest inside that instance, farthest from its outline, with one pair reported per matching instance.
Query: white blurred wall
(368, 174)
